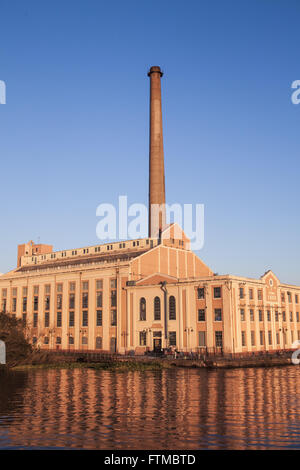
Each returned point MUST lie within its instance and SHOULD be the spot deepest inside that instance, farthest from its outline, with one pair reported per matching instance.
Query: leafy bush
(13, 334)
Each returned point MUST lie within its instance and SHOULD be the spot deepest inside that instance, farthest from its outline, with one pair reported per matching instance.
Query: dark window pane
(172, 308)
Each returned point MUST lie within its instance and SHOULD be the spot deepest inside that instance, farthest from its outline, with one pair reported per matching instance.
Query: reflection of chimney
(157, 197)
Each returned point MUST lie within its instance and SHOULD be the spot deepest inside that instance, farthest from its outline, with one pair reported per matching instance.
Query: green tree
(12, 332)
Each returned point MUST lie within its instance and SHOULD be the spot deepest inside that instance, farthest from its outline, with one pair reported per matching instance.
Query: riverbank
(117, 366)
(75, 360)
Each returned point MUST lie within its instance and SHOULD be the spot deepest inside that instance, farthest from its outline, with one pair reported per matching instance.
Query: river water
(168, 409)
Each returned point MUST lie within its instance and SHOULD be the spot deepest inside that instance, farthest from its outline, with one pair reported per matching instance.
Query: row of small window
(85, 321)
(157, 308)
(260, 295)
(217, 292)
(59, 288)
(86, 251)
(217, 314)
(289, 296)
(59, 300)
(218, 339)
(269, 338)
(84, 340)
(242, 293)
(269, 315)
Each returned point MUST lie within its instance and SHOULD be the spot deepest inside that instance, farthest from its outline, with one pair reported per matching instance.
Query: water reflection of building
(186, 409)
(148, 293)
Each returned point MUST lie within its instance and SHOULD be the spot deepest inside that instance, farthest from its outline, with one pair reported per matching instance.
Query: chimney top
(155, 69)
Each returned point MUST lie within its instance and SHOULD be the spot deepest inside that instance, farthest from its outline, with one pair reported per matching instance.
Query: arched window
(157, 315)
(143, 309)
(172, 308)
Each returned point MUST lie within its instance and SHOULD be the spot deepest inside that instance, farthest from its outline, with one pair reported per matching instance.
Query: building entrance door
(157, 344)
(113, 345)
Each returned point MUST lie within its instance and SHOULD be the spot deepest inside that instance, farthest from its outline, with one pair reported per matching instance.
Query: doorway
(157, 344)
(113, 345)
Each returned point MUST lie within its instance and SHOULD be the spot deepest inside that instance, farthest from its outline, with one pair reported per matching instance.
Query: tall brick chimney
(157, 197)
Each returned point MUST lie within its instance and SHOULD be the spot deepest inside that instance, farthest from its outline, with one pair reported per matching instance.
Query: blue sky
(74, 131)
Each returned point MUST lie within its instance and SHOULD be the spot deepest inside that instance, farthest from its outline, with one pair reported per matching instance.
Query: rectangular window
(3, 305)
(72, 286)
(47, 302)
(241, 292)
(172, 338)
(35, 320)
(283, 316)
(35, 303)
(297, 317)
(46, 319)
(59, 301)
(277, 338)
(270, 337)
(289, 297)
(252, 338)
(71, 319)
(259, 294)
(85, 285)
(99, 284)
(291, 316)
(200, 292)
(47, 289)
(113, 317)
(251, 314)
(99, 318)
(85, 300)
(268, 315)
(218, 314)
(59, 287)
(14, 304)
(84, 340)
(242, 314)
(72, 301)
(251, 294)
(202, 339)
(201, 314)
(296, 298)
(243, 338)
(24, 304)
(58, 340)
(261, 336)
(260, 315)
(99, 342)
(85, 318)
(217, 292)
(58, 320)
(113, 298)
(143, 338)
(24, 292)
(113, 283)
(219, 339)
(36, 290)
(282, 297)
(15, 292)
(276, 315)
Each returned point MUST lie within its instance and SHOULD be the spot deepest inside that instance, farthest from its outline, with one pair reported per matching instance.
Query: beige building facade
(146, 294)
